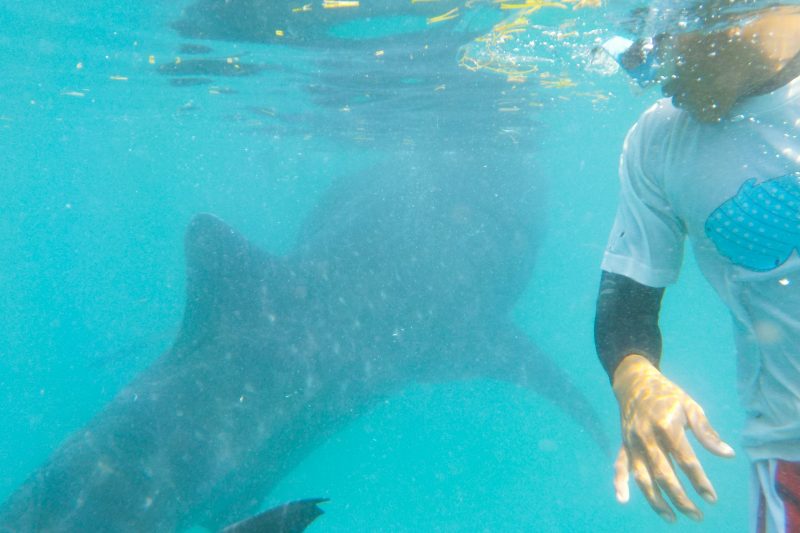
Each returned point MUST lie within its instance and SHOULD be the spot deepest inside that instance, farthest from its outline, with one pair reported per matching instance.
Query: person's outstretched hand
(655, 413)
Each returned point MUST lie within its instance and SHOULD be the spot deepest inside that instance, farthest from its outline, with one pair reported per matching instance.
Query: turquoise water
(105, 160)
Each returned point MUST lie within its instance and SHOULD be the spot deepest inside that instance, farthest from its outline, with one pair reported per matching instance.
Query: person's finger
(621, 476)
(705, 433)
(641, 474)
(663, 474)
(687, 460)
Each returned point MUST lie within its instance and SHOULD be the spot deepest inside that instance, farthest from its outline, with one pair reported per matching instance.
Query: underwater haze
(444, 164)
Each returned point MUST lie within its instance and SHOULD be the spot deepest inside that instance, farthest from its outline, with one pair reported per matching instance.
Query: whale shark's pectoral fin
(293, 517)
(526, 365)
(504, 353)
(228, 279)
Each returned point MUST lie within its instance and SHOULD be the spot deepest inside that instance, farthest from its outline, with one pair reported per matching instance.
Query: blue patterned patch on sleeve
(759, 227)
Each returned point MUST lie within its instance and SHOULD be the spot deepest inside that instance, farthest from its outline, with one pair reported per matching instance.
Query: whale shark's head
(443, 233)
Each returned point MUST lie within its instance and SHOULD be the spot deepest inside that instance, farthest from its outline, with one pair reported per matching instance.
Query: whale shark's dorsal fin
(226, 278)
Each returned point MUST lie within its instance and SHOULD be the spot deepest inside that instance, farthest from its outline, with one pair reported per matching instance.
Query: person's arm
(654, 412)
(626, 321)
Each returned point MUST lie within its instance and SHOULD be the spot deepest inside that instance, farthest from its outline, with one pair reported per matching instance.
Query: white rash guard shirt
(733, 188)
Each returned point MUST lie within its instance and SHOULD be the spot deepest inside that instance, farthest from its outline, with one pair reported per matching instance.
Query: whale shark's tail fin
(293, 517)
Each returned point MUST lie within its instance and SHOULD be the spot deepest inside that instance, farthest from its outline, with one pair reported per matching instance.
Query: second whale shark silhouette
(406, 273)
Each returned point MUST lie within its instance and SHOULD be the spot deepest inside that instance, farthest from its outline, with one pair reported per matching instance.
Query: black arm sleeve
(626, 321)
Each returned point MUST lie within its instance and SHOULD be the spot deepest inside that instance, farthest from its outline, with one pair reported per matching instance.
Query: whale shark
(405, 273)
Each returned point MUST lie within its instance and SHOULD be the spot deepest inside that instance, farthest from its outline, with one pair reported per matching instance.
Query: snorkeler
(718, 160)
